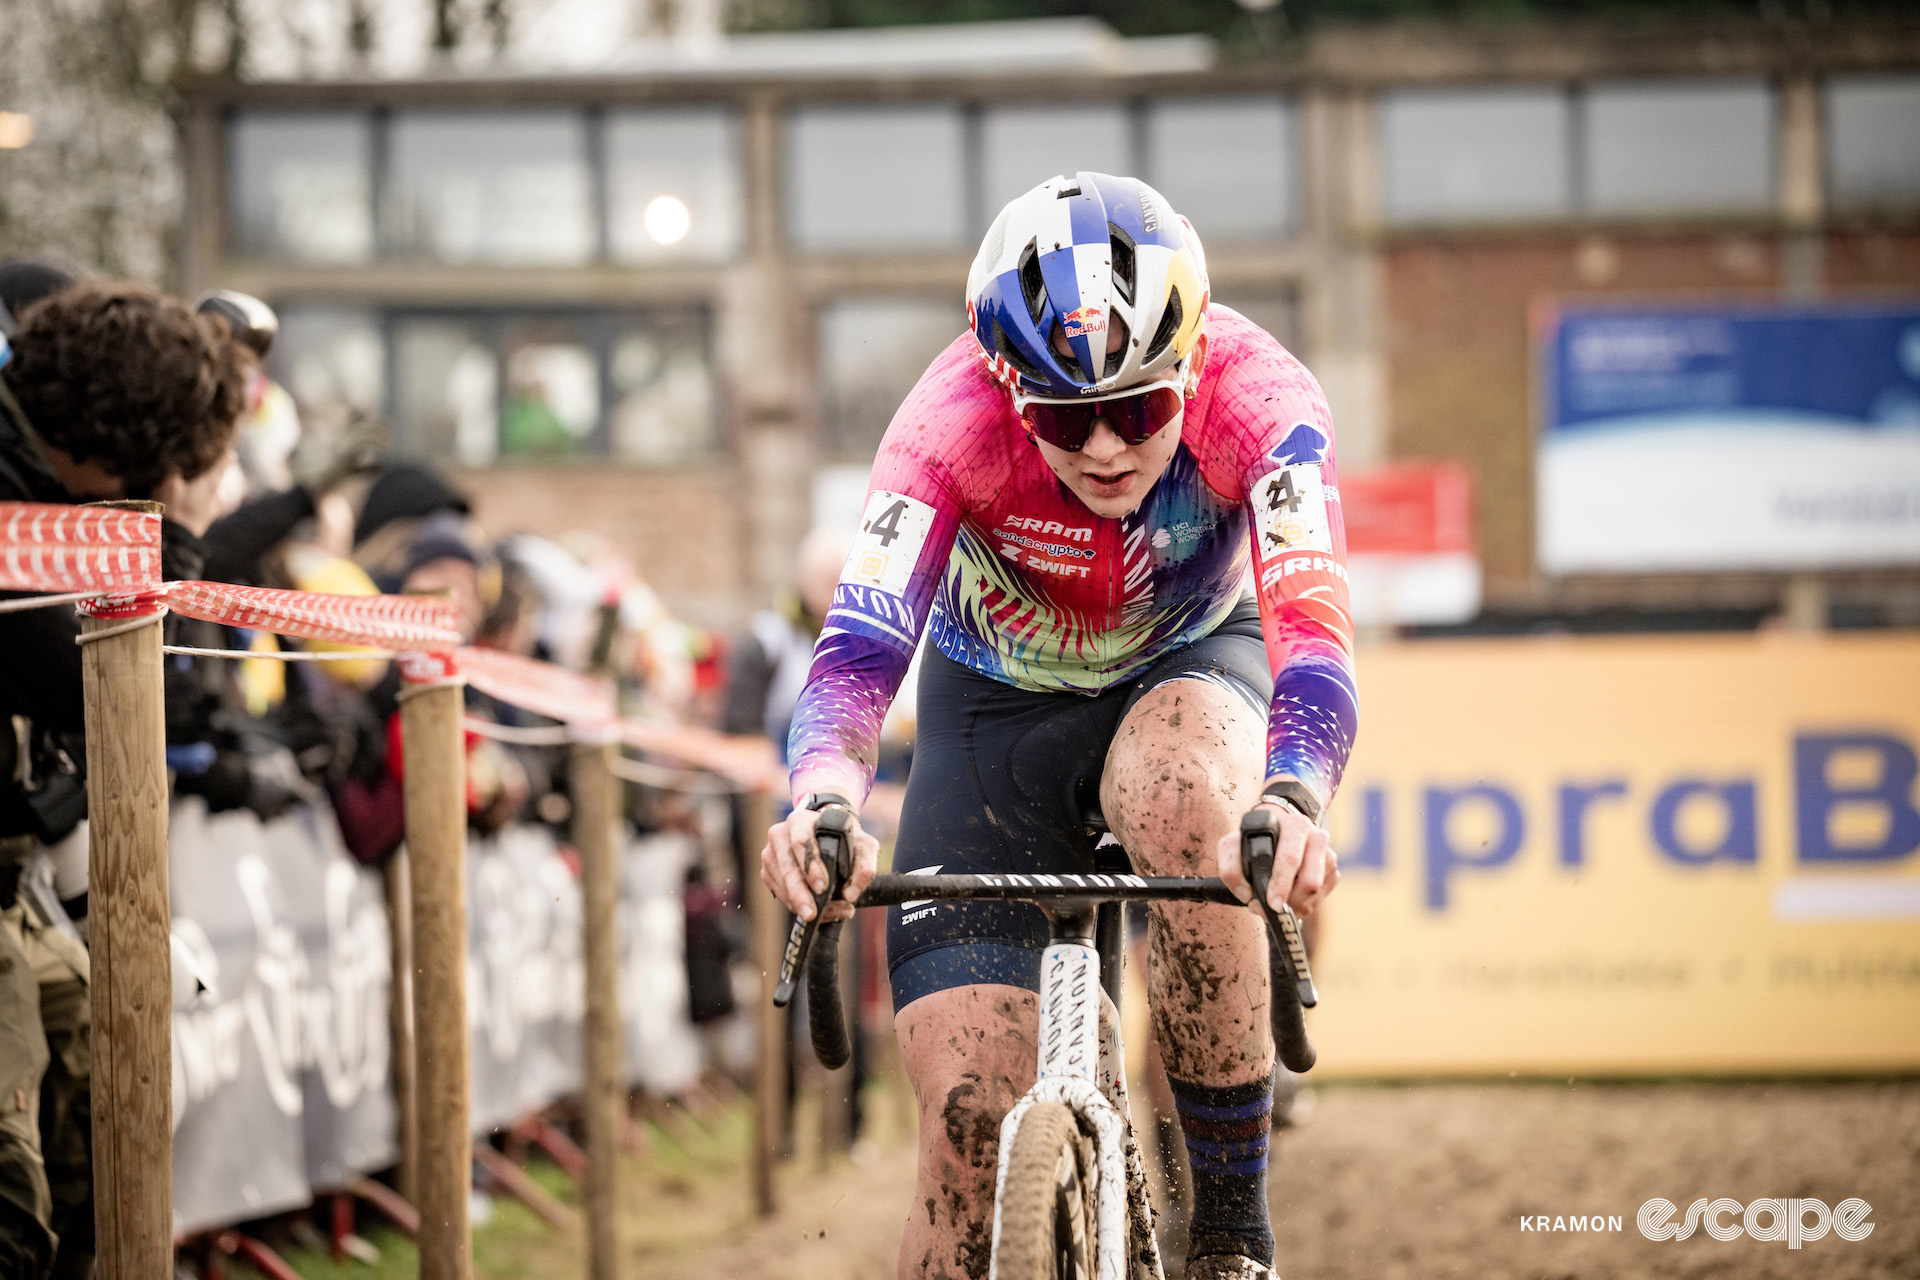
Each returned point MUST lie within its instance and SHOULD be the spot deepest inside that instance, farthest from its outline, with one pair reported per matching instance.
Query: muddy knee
(1184, 765)
(1169, 808)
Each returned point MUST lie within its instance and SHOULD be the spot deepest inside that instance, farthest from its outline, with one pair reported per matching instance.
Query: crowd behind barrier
(283, 1080)
(286, 780)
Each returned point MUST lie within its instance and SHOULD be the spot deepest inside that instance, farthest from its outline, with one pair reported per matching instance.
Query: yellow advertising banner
(1628, 856)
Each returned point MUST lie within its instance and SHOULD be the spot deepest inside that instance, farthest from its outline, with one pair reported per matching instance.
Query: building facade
(661, 304)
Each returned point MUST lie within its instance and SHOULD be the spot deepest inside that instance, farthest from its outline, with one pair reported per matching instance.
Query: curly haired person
(107, 390)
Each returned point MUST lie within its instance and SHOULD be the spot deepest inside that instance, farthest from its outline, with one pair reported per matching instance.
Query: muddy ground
(1428, 1182)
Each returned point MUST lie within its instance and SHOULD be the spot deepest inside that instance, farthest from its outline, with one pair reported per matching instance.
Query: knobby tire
(1046, 1209)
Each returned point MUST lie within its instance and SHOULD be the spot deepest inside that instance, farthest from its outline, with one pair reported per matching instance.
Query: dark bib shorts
(1002, 780)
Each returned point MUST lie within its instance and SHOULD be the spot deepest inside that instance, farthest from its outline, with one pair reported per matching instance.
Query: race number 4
(892, 531)
(1290, 511)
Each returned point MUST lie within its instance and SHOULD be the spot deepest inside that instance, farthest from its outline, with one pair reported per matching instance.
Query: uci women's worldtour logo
(1794, 1221)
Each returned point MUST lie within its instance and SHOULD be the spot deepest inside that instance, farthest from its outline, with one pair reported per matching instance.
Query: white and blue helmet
(1074, 258)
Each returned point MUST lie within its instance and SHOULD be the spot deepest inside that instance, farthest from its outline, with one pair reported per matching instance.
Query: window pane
(1453, 156)
(872, 351)
(490, 186)
(876, 179)
(552, 404)
(331, 360)
(673, 184)
(1873, 139)
(1027, 145)
(300, 185)
(1680, 148)
(1226, 163)
(664, 405)
(447, 399)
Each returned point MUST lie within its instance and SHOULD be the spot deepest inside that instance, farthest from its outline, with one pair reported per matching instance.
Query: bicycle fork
(1082, 1066)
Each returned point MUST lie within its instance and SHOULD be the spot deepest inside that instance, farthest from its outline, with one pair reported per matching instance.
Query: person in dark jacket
(110, 391)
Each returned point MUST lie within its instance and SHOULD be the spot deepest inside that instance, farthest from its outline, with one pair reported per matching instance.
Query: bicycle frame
(1083, 1067)
(1081, 1063)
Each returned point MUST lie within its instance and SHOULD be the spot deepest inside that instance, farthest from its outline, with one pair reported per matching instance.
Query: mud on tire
(1046, 1209)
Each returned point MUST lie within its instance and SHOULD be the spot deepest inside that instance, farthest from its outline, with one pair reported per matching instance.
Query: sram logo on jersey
(1278, 569)
(1034, 524)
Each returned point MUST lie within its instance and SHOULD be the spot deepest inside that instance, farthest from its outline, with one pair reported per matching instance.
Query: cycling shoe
(1228, 1266)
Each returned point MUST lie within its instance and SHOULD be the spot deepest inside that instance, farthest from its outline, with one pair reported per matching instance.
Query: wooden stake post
(434, 781)
(132, 995)
(770, 1085)
(400, 1022)
(596, 826)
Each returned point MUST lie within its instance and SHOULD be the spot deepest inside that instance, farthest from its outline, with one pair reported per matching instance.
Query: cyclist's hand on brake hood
(790, 865)
(1305, 869)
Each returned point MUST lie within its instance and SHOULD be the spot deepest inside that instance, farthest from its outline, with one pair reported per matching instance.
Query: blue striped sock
(1227, 1129)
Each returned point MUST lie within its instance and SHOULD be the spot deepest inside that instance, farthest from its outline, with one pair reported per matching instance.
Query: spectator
(403, 496)
(769, 662)
(112, 392)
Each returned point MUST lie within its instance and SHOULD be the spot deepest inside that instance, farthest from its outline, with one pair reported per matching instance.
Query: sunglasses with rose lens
(1135, 417)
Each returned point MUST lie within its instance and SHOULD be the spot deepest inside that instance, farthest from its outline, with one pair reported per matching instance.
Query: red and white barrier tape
(387, 622)
(106, 561)
(540, 687)
(48, 547)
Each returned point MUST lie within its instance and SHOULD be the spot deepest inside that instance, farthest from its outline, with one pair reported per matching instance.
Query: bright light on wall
(667, 219)
(16, 130)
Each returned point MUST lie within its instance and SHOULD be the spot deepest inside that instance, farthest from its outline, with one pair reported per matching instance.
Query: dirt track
(1430, 1183)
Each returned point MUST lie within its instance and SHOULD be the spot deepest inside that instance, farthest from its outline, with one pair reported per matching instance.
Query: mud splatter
(973, 1130)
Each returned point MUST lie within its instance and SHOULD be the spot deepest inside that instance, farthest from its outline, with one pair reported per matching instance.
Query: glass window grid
(1577, 153)
(598, 329)
(1581, 205)
(378, 122)
(1855, 106)
(1135, 111)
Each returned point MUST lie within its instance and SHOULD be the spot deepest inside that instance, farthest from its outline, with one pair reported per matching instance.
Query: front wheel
(1046, 1207)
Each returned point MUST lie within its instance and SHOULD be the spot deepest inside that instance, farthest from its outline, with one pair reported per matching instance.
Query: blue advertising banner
(1678, 438)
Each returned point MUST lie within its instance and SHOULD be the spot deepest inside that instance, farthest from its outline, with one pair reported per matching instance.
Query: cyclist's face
(1109, 475)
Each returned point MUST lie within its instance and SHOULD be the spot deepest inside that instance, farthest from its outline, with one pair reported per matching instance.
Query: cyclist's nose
(1103, 443)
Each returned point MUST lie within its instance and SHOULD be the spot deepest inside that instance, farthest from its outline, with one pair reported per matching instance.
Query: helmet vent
(1117, 356)
(1013, 357)
(1122, 262)
(1169, 325)
(1033, 287)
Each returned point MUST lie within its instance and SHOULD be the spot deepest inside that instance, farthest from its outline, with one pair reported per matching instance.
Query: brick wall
(684, 530)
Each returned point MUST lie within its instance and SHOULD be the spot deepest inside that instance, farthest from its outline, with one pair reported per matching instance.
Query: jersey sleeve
(1274, 449)
(880, 606)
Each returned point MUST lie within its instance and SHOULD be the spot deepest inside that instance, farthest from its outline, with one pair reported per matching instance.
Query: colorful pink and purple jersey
(968, 535)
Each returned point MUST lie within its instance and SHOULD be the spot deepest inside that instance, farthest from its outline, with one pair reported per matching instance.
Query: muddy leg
(970, 1052)
(1184, 766)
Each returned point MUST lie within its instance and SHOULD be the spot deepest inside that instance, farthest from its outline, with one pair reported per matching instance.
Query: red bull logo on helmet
(1082, 321)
